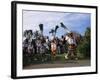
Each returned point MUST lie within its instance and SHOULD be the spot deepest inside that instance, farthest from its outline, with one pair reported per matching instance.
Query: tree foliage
(85, 44)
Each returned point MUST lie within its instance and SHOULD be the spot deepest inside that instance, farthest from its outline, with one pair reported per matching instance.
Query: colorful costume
(71, 45)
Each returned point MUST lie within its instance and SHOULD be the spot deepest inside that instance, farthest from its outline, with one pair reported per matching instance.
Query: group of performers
(68, 44)
(43, 45)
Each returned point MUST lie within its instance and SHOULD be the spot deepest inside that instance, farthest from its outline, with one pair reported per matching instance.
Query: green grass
(37, 59)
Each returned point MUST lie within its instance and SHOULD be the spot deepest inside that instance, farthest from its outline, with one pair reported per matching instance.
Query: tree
(85, 44)
(87, 34)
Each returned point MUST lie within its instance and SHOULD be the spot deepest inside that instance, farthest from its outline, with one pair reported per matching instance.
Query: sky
(74, 21)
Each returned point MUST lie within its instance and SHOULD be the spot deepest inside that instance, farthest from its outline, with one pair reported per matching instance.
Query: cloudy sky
(73, 21)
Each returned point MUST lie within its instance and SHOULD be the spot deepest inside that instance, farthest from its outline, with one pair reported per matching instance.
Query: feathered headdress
(63, 26)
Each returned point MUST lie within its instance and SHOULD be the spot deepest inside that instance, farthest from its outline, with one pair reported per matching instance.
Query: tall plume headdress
(41, 28)
(63, 26)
